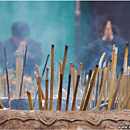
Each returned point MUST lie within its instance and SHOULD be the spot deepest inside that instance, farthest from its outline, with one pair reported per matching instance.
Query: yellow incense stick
(100, 71)
(90, 88)
(76, 87)
(60, 69)
(1, 105)
(112, 76)
(39, 93)
(103, 85)
(30, 100)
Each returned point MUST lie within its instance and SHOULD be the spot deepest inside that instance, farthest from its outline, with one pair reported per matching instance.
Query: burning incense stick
(22, 77)
(68, 91)
(46, 84)
(115, 91)
(85, 91)
(1, 105)
(7, 77)
(103, 85)
(90, 88)
(76, 87)
(52, 76)
(112, 76)
(30, 100)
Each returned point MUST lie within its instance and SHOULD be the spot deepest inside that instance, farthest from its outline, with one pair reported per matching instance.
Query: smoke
(49, 22)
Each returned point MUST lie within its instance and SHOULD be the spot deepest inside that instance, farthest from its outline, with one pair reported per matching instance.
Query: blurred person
(20, 38)
(95, 50)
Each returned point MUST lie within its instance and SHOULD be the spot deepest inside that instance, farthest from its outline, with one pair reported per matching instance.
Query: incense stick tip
(28, 92)
(47, 68)
(96, 66)
(52, 45)
(90, 72)
(66, 47)
(127, 43)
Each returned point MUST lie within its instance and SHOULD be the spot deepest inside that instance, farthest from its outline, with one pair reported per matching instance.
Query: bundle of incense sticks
(108, 88)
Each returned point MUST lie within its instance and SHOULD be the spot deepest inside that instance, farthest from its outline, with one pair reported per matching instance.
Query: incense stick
(85, 91)
(90, 88)
(74, 84)
(64, 62)
(68, 91)
(46, 84)
(1, 105)
(30, 100)
(112, 76)
(59, 100)
(76, 88)
(39, 93)
(100, 71)
(52, 77)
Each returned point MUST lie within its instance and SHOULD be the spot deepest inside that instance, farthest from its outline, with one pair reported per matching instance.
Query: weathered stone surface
(14, 119)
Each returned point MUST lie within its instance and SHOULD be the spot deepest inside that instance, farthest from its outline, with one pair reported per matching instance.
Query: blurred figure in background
(105, 44)
(18, 41)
